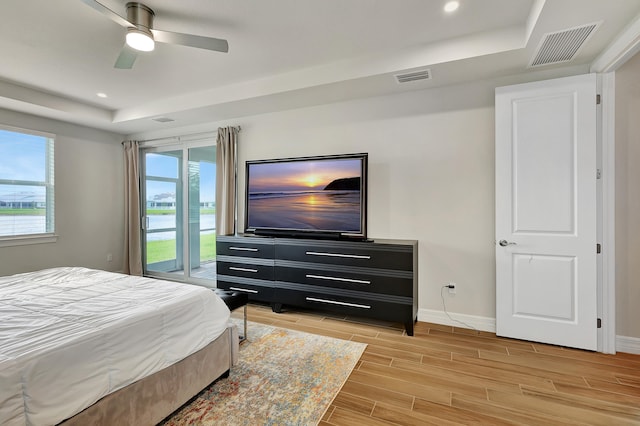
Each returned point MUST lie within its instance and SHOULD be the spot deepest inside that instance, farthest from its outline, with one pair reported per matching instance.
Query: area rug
(284, 377)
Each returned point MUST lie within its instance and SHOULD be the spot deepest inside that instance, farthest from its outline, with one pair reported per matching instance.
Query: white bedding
(69, 336)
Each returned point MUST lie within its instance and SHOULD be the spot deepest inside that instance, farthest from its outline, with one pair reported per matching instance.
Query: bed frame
(148, 401)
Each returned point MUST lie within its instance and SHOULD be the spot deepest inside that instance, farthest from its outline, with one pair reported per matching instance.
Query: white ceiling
(282, 53)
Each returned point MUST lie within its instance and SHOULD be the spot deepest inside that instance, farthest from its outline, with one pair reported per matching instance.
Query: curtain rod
(190, 135)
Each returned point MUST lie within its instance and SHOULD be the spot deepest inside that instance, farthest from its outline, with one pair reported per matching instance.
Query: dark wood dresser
(376, 279)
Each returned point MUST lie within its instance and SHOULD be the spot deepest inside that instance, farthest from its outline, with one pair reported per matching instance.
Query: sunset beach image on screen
(323, 194)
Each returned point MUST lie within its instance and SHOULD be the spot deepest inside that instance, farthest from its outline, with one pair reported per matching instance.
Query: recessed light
(163, 119)
(451, 6)
(101, 95)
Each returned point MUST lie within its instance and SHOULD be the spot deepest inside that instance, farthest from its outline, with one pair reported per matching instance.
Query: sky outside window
(166, 166)
(22, 156)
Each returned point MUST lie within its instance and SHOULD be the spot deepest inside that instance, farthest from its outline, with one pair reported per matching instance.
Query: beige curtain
(226, 151)
(132, 263)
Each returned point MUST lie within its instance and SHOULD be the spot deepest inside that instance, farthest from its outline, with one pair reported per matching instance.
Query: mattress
(69, 336)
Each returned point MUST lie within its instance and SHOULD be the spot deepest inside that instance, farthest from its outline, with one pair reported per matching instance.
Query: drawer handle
(346, 280)
(243, 248)
(350, 256)
(246, 290)
(235, 268)
(335, 302)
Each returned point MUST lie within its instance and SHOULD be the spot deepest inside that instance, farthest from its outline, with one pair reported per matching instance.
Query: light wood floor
(452, 376)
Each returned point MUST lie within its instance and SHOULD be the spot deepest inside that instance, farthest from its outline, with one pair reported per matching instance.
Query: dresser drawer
(228, 265)
(366, 255)
(398, 283)
(254, 289)
(245, 247)
(347, 305)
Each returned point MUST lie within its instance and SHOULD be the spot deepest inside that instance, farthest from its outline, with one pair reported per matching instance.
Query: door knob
(504, 243)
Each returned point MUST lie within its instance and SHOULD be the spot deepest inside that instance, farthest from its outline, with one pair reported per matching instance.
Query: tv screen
(306, 196)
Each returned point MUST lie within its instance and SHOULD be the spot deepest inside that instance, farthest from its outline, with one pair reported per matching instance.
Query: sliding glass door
(202, 212)
(178, 194)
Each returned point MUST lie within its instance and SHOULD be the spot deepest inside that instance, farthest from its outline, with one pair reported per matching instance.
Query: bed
(82, 346)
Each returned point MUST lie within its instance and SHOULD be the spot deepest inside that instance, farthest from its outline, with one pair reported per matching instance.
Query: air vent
(163, 119)
(413, 76)
(562, 46)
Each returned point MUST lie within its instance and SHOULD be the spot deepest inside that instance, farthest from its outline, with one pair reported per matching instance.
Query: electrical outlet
(452, 288)
(109, 257)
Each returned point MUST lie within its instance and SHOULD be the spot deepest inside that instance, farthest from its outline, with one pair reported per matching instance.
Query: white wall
(431, 177)
(88, 204)
(627, 218)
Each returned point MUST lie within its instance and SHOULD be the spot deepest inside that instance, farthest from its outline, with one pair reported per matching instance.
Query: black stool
(234, 300)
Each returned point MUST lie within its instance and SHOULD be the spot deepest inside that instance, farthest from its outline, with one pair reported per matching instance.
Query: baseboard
(625, 344)
(465, 321)
(629, 345)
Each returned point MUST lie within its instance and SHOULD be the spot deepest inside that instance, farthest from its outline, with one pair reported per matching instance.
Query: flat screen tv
(323, 197)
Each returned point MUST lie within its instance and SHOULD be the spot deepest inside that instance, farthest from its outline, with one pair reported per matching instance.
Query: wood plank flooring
(453, 376)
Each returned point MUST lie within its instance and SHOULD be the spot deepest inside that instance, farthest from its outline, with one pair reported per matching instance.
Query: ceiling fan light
(140, 40)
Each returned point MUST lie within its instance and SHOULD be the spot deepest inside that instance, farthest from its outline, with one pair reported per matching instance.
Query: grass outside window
(159, 251)
(22, 212)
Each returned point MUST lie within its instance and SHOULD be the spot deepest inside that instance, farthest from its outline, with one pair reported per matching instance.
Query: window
(26, 184)
(178, 199)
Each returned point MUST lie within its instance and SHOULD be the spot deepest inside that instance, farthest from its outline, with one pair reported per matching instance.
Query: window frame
(49, 235)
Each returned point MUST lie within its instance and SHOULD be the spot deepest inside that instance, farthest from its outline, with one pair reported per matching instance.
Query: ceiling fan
(141, 36)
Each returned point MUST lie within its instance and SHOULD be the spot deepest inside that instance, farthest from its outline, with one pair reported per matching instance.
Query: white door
(546, 283)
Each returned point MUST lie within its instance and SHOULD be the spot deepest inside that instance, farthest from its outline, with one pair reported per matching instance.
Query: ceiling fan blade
(126, 58)
(209, 43)
(108, 13)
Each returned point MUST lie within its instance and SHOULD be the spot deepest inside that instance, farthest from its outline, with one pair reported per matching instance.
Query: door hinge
(598, 99)
(599, 323)
(598, 248)
(598, 174)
